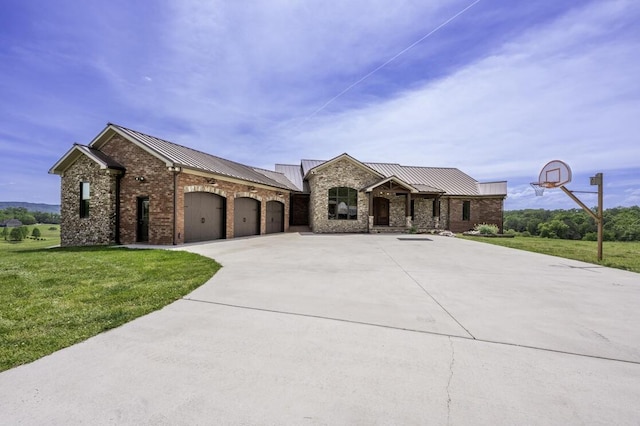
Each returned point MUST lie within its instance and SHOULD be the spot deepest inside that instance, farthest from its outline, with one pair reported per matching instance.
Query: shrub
(53, 228)
(525, 234)
(35, 233)
(486, 229)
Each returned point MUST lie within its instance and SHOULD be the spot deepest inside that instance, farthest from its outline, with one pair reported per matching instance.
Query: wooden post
(599, 215)
(599, 182)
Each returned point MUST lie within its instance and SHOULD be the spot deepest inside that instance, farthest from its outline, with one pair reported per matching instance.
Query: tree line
(28, 217)
(620, 224)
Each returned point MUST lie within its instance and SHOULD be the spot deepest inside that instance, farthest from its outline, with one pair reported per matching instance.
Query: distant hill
(32, 207)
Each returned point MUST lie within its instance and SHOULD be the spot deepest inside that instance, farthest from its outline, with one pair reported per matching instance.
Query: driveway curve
(358, 329)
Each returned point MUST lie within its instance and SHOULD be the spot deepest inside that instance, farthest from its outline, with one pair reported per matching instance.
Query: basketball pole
(598, 217)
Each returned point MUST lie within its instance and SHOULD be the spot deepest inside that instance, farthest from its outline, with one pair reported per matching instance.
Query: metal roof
(450, 180)
(278, 177)
(293, 172)
(103, 160)
(182, 156)
(310, 164)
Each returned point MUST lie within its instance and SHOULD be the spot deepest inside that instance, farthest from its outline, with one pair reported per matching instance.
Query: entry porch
(393, 204)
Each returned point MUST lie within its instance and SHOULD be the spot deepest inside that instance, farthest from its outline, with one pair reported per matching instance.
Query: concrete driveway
(358, 330)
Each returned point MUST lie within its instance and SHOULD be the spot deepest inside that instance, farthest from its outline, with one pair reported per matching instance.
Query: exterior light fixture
(140, 178)
(212, 182)
(252, 189)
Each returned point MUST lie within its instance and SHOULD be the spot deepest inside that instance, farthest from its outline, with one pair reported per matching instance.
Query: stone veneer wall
(99, 227)
(423, 218)
(341, 173)
(397, 210)
(483, 210)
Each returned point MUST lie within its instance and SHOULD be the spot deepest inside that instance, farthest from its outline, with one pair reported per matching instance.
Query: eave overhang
(390, 181)
(76, 151)
(340, 157)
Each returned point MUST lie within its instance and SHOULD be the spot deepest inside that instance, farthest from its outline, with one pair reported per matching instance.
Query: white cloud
(568, 90)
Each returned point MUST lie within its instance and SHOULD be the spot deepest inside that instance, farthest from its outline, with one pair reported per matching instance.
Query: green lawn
(55, 297)
(616, 254)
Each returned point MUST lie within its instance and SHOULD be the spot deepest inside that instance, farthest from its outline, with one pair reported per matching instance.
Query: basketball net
(538, 187)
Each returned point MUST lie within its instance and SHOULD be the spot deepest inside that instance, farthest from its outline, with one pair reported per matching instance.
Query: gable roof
(175, 155)
(395, 180)
(348, 158)
(77, 150)
(441, 180)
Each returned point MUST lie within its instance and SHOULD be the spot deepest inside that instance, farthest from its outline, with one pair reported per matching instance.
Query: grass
(616, 254)
(55, 297)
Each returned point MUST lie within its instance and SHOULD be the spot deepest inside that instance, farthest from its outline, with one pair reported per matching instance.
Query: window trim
(344, 195)
(466, 210)
(85, 199)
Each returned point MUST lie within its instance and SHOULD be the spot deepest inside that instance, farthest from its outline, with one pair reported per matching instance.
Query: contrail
(330, 101)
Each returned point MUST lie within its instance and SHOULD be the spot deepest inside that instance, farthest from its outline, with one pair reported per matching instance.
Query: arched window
(343, 203)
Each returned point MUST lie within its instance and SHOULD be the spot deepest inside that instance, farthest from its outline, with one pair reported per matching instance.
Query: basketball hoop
(538, 187)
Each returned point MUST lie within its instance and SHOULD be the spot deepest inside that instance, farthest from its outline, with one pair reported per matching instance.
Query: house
(10, 223)
(126, 187)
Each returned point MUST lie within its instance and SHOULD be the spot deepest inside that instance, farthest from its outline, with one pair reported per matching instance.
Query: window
(466, 210)
(413, 209)
(343, 203)
(436, 207)
(84, 199)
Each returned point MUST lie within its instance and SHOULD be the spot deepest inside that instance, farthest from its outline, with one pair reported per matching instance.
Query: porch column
(407, 207)
(370, 218)
(407, 211)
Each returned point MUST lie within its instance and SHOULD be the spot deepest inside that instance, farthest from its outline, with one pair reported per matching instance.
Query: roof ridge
(183, 146)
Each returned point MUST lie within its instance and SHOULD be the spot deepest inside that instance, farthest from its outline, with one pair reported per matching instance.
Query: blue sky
(498, 91)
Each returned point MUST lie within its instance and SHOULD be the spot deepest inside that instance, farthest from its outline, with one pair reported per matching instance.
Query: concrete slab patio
(358, 329)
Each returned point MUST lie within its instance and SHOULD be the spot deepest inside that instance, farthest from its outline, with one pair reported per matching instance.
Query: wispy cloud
(557, 91)
(500, 91)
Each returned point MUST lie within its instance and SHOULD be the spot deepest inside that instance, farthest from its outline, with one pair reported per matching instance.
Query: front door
(380, 211)
(143, 219)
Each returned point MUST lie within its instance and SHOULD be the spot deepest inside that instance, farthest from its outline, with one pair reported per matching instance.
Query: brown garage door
(204, 216)
(246, 217)
(275, 217)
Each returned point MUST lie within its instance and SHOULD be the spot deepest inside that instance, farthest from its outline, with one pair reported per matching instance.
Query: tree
(25, 231)
(553, 229)
(16, 234)
(5, 233)
(35, 233)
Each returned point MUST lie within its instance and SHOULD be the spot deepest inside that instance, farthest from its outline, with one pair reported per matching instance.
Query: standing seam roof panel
(190, 158)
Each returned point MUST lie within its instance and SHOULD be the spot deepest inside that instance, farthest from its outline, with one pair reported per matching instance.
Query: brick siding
(483, 210)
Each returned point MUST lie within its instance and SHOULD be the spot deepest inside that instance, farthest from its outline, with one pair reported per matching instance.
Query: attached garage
(246, 217)
(204, 217)
(275, 217)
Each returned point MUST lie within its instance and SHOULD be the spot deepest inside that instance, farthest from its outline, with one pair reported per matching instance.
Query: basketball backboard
(554, 174)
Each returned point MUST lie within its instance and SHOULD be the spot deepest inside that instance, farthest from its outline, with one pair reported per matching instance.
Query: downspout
(117, 233)
(449, 213)
(175, 207)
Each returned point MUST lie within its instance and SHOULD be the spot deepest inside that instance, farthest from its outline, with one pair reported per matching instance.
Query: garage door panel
(204, 217)
(275, 217)
(246, 217)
